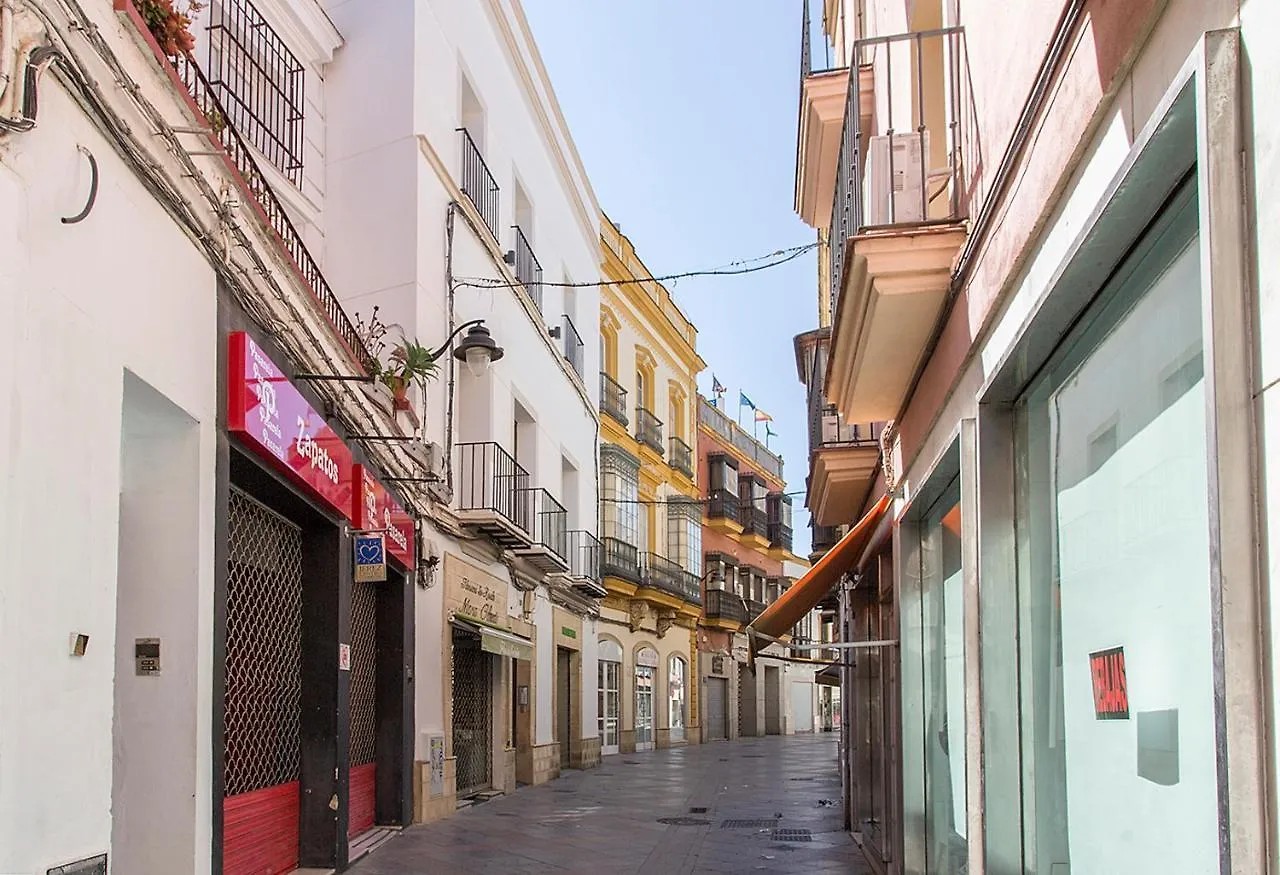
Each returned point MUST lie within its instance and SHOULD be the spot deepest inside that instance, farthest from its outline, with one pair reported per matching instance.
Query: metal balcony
(548, 548)
(649, 430)
(573, 346)
(660, 573)
(613, 399)
(585, 552)
(681, 457)
(492, 489)
(478, 184)
(724, 605)
(528, 269)
(620, 559)
(723, 505)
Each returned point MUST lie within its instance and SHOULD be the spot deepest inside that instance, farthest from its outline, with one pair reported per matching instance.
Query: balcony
(477, 183)
(824, 538)
(613, 399)
(573, 346)
(584, 563)
(755, 525)
(492, 491)
(897, 218)
(548, 548)
(723, 511)
(778, 506)
(754, 609)
(620, 560)
(726, 608)
(681, 457)
(842, 466)
(649, 430)
(661, 574)
(231, 146)
(528, 269)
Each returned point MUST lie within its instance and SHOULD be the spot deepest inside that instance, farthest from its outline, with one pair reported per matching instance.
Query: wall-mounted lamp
(477, 349)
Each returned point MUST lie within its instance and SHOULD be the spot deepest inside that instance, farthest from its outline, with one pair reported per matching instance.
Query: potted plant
(170, 25)
(410, 363)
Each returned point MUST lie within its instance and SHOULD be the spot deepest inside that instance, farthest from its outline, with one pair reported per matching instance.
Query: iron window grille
(259, 82)
(478, 184)
(613, 399)
(779, 507)
(684, 533)
(751, 514)
(528, 268)
(619, 494)
(723, 470)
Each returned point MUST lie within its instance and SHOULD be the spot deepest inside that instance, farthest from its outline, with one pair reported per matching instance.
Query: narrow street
(766, 805)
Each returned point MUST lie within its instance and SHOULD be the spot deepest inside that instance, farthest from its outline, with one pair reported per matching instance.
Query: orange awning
(804, 595)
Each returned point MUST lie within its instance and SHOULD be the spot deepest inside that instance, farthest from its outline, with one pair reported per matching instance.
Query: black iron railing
(754, 608)
(584, 555)
(724, 605)
(528, 270)
(829, 60)
(723, 505)
(489, 479)
(779, 508)
(681, 457)
(549, 521)
(477, 182)
(649, 430)
(825, 537)
(259, 82)
(613, 398)
(658, 572)
(620, 560)
(754, 519)
(253, 181)
(780, 536)
(906, 178)
(717, 421)
(573, 346)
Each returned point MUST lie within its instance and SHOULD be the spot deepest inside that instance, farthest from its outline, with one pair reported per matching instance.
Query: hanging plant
(169, 24)
(408, 364)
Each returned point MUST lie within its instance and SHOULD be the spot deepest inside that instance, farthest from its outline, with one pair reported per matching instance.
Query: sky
(684, 113)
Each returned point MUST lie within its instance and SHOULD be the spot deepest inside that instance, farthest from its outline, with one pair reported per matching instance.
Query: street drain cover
(759, 823)
(782, 848)
(810, 778)
(792, 835)
(700, 809)
(684, 821)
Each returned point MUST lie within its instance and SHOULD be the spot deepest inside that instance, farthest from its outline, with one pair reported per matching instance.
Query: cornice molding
(305, 27)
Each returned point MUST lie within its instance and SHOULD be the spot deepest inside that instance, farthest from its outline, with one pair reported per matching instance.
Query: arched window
(677, 696)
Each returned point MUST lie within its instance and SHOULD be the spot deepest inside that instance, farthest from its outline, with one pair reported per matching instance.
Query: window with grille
(727, 566)
(684, 534)
(619, 495)
(724, 474)
(259, 82)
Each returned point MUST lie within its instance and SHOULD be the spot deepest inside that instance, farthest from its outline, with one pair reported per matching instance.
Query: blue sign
(371, 559)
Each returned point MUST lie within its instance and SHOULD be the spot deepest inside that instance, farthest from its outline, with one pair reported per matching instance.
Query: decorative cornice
(305, 28)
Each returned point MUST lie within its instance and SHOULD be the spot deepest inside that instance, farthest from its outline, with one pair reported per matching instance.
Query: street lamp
(477, 349)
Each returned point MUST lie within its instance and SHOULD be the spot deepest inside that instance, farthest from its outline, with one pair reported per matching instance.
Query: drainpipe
(8, 61)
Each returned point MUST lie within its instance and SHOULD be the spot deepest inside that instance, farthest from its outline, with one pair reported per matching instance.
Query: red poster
(375, 508)
(1110, 686)
(274, 420)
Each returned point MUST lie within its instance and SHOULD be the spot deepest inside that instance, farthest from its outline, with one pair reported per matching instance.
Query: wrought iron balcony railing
(780, 536)
(825, 537)
(828, 62)
(620, 560)
(489, 479)
(264, 201)
(681, 457)
(573, 347)
(584, 555)
(723, 605)
(911, 171)
(762, 456)
(723, 505)
(755, 607)
(613, 399)
(528, 270)
(658, 572)
(649, 430)
(478, 184)
(754, 520)
(548, 521)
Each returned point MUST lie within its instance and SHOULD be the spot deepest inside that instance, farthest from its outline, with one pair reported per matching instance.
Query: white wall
(80, 304)
(590, 677)
(544, 717)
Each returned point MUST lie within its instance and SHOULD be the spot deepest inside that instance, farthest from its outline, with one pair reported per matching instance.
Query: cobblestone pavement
(761, 805)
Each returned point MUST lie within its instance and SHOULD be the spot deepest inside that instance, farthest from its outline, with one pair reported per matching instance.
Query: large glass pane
(1117, 682)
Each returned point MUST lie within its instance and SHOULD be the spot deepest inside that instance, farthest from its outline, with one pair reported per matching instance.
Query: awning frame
(493, 640)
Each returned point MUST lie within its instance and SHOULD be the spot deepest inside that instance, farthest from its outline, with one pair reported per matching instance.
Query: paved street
(748, 806)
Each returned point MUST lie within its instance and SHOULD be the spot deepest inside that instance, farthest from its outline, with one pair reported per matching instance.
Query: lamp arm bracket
(444, 346)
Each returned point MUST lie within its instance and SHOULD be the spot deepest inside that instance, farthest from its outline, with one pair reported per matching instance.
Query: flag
(717, 388)
(744, 401)
(761, 416)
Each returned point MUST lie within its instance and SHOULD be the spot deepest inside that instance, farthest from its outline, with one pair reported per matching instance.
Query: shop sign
(370, 558)
(375, 508)
(717, 664)
(1110, 686)
(568, 632)
(474, 592)
(270, 415)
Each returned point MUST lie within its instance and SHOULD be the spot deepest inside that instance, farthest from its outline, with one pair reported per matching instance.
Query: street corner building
(1039, 388)
(299, 448)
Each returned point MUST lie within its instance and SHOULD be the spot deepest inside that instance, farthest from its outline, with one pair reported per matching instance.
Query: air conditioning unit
(830, 428)
(429, 455)
(905, 185)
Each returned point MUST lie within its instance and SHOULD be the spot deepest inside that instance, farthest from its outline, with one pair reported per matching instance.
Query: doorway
(363, 734)
(609, 694)
(717, 694)
(772, 700)
(472, 714)
(564, 705)
(747, 703)
(644, 707)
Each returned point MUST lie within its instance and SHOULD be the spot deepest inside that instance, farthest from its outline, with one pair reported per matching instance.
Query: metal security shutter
(472, 714)
(772, 701)
(263, 690)
(364, 700)
(802, 706)
(715, 708)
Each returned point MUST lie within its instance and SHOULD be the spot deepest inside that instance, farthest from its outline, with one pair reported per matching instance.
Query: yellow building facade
(650, 509)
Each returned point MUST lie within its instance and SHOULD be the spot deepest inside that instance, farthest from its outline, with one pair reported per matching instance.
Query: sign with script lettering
(272, 418)
(474, 592)
(375, 508)
(1110, 686)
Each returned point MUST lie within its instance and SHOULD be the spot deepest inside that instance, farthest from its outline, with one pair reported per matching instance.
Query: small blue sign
(371, 559)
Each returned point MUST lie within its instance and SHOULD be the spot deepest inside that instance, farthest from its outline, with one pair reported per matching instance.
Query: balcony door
(609, 693)
(646, 669)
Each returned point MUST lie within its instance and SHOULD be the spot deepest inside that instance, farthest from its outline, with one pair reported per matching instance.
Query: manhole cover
(759, 823)
(684, 821)
(792, 835)
(724, 759)
(700, 809)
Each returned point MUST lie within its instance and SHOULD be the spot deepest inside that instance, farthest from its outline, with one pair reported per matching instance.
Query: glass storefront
(676, 693)
(1119, 770)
